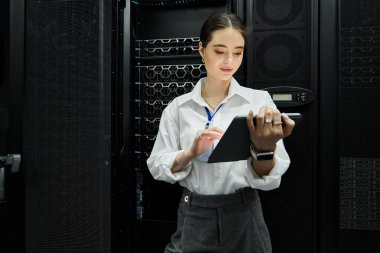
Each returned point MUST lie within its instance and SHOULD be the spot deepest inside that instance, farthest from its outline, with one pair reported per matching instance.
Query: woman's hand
(204, 139)
(202, 142)
(270, 127)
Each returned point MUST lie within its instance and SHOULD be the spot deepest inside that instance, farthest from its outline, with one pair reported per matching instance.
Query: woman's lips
(226, 70)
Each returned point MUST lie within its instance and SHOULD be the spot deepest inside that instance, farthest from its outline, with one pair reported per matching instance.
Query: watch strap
(261, 156)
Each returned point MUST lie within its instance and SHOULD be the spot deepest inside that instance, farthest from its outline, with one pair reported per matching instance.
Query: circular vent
(279, 56)
(279, 12)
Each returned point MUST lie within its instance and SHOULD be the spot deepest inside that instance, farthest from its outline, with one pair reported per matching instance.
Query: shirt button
(186, 199)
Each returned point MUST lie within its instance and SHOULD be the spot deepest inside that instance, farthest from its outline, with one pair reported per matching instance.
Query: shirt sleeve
(166, 148)
(273, 179)
(282, 162)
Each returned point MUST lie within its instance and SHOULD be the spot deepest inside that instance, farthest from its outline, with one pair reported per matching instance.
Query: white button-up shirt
(180, 122)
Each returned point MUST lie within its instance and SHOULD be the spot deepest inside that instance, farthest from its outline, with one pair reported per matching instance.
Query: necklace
(203, 95)
(212, 101)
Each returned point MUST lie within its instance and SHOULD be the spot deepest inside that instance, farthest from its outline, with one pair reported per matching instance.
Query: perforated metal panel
(360, 193)
(67, 151)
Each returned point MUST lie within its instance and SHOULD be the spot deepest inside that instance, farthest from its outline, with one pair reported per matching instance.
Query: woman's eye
(219, 52)
(239, 53)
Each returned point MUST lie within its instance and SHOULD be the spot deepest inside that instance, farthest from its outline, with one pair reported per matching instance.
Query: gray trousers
(232, 223)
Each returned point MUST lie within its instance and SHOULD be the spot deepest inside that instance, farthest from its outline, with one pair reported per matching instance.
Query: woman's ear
(201, 49)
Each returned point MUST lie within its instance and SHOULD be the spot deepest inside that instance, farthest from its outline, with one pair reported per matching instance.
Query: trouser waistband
(240, 197)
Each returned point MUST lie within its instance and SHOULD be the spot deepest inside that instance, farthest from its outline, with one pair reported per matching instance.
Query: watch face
(265, 156)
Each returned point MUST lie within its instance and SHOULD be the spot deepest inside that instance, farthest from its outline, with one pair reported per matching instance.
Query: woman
(220, 210)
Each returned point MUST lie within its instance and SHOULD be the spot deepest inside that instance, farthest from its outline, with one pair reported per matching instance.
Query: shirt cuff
(165, 172)
(270, 181)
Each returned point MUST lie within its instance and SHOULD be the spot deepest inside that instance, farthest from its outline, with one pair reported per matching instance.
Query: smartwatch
(263, 156)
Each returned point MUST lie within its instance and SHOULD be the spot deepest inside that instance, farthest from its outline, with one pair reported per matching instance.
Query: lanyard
(210, 115)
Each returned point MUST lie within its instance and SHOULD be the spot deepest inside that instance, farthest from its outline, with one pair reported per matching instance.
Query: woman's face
(223, 54)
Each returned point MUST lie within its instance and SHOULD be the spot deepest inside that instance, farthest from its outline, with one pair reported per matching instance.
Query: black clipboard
(234, 145)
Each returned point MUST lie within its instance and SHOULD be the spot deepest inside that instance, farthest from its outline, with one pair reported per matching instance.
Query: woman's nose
(228, 58)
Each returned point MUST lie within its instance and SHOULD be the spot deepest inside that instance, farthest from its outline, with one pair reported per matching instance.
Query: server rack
(165, 64)
(66, 132)
(359, 156)
(284, 45)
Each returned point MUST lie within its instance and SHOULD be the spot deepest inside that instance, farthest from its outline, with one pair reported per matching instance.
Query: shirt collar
(195, 94)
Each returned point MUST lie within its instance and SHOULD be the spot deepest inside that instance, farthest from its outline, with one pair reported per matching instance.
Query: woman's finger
(268, 118)
(250, 124)
(210, 134)
(216, 129)
(277, 121)
(260, 118)
(288, 125)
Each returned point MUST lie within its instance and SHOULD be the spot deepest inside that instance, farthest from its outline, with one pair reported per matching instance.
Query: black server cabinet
(67, 126)
(284, 46)
(359, 123)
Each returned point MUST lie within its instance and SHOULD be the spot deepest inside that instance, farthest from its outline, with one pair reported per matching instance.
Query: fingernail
(250, 113)
(284, 115)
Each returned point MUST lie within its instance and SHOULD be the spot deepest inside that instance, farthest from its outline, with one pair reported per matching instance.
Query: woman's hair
(221, 20)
